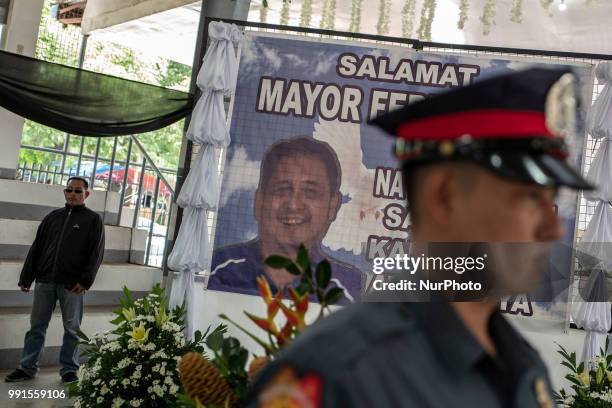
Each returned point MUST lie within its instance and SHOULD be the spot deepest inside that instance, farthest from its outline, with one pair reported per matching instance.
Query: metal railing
(146, 192)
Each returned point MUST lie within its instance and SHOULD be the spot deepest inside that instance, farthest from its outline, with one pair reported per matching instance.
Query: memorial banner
(305, 167)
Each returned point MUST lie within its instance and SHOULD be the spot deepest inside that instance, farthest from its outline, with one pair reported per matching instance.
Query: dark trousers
(46, 296)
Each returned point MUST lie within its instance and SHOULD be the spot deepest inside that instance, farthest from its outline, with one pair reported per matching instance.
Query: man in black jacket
(63, 260)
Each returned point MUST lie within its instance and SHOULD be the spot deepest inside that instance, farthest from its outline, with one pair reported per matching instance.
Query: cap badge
(446, 148)
(561, 106)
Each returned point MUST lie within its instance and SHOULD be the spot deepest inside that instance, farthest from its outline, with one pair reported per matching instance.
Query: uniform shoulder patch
(288, 390)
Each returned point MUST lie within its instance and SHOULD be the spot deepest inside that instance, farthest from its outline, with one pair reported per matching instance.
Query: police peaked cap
(514, 125)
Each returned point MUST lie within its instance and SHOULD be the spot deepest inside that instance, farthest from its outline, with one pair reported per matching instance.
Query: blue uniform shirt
(235, 267)
(412, 355)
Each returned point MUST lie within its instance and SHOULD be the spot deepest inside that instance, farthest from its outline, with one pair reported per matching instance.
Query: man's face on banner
(296, 205)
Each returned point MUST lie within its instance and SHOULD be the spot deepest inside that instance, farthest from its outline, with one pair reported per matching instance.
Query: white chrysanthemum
(104, 390)
(124, 363)
(100, 400)
(135, 402)
(81, 373)
(158, 390)
(173, 389)
(125, 382)
(118, 402)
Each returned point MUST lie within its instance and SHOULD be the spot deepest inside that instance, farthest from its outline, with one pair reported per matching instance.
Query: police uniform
(421, 354)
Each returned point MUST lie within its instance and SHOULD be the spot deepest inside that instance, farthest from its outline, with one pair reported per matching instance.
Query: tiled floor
(48, 379)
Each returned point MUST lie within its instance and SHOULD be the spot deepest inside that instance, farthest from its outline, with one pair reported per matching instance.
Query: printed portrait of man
(297, 198)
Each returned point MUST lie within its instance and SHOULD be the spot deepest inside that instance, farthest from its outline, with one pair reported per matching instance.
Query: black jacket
(68, 248)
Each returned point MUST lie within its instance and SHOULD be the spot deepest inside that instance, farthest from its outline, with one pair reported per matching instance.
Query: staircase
(22, 207)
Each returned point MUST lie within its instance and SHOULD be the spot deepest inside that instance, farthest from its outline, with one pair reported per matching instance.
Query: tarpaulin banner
(304, 166)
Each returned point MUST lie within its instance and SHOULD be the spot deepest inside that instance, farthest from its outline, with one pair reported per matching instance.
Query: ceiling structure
(583, 27)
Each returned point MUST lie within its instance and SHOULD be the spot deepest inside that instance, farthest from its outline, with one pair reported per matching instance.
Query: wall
(104, 13)
(19, 37)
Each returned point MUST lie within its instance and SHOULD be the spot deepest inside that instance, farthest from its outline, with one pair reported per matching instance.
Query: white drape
(201, 188)
(593, 315)
(592, 312)
(200, 191)
(599, 118)
(600, 173)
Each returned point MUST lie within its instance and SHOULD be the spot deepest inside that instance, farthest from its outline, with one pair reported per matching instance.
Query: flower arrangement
(227, 370)
(136, 364)
(591, 384)
(294, 313)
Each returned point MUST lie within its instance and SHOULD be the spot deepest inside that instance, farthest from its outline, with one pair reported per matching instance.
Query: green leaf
(294, 269)
(237, 361)
(128, 295)
(580, 367)
(267, 347)
(303, 259)
(568, 365)
(323, 274)
(117, 320)
(304, 287)
(230, 346)
(197, 336)
(282, 262)
(278, 261)
(214, 341)
(82, 335)
(572, 379)
(333, 295)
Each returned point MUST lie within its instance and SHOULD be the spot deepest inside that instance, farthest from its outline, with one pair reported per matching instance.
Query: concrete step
(32, 201)
(102, 298)
(15, 322)
(122, 244)
(106, 290)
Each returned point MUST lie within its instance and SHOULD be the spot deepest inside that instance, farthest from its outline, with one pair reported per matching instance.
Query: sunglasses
(76, 190)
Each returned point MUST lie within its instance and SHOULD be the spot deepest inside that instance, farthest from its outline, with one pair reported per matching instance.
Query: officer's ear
(86, 194)
(435, 194)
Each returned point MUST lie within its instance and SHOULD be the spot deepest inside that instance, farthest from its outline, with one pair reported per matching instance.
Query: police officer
(481, 163)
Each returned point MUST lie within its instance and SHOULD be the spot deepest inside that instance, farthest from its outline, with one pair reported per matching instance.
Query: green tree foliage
(62, 47)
